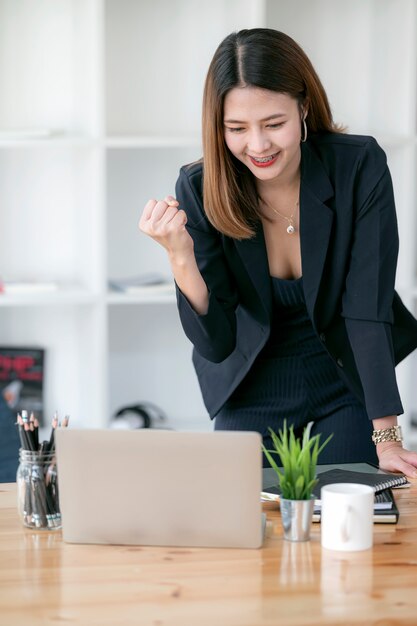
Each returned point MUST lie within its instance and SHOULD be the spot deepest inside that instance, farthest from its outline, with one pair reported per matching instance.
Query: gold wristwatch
(387, 434)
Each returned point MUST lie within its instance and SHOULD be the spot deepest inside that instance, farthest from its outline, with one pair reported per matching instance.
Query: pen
(51, 445)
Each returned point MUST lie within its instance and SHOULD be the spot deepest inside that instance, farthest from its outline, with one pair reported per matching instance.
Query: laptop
(153, 487)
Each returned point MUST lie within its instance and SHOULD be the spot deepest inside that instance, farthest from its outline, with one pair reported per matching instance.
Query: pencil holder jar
(37, 490)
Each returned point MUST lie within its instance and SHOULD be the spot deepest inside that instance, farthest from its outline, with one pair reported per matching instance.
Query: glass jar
(37, 490)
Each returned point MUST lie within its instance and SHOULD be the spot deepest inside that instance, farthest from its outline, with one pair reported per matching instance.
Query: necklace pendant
(290, 229)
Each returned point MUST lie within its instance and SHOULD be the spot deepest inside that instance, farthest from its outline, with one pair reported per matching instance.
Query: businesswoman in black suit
(283, 244)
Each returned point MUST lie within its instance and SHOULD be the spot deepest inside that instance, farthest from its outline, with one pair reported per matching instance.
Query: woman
(284, 255)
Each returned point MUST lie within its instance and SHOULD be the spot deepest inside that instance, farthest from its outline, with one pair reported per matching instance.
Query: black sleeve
(371, 344)
(369, 292)
(213, 334)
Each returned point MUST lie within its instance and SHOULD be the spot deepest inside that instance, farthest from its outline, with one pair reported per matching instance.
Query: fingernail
(172, 202)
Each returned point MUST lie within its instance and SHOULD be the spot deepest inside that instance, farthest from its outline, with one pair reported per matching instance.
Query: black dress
(294, 379)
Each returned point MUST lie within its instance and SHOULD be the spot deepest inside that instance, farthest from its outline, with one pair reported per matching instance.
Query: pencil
(30, 438)
(22, 435)
(34, 422)
(51, 445)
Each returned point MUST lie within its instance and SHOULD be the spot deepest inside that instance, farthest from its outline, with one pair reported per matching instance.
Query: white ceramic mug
(347, 516)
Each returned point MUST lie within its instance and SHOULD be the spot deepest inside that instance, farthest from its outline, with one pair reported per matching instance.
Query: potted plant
(297, 478)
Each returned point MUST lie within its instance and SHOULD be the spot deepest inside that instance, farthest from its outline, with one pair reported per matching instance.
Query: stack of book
(385, 508)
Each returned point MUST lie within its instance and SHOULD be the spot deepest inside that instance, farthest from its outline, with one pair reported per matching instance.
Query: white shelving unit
(113, 89)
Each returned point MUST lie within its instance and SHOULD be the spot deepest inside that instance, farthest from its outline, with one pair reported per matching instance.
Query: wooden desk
(45, 581)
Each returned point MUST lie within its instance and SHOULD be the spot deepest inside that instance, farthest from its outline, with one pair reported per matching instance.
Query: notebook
(385, 509)
(155, 487)
(365, 474)
(378, 482)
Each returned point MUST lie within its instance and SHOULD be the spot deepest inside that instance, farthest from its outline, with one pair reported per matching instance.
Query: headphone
(140, 415)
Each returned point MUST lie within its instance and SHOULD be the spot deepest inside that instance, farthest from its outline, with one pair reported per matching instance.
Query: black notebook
(379, 481)
(385, 509)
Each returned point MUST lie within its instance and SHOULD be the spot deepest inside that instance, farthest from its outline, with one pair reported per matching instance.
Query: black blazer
(349, 247)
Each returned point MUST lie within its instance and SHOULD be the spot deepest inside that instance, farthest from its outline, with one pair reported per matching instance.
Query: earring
(304, 138)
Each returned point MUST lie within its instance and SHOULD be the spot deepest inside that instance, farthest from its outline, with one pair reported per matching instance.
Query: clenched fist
(165, 222)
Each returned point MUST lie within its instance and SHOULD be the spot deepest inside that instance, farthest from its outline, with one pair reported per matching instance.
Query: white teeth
(265, 159)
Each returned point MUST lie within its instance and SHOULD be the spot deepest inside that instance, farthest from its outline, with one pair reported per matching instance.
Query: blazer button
(339, 362)
(322, 337)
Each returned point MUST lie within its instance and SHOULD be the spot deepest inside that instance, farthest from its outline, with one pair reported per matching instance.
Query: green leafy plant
(297, 476)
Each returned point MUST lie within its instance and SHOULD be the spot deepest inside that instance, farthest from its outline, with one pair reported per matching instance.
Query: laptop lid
(155, 487)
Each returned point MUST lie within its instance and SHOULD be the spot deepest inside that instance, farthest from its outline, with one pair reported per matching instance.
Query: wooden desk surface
(45, 581)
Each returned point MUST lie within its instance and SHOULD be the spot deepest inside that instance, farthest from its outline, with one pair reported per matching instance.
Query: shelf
(130, 299)
(153, 141)
(60, 297)
(66, 141)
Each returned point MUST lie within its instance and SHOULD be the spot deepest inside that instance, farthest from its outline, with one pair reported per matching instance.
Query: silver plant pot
(296, 518)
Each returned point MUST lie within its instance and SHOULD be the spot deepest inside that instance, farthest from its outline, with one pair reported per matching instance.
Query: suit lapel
(315, 228)
(254, 256)
(316, 220)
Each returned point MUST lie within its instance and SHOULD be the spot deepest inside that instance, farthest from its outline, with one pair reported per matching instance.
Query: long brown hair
(265, 58)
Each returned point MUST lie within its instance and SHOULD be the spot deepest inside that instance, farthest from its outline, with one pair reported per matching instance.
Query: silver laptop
(155, 487)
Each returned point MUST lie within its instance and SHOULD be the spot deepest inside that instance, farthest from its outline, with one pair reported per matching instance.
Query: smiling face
(262, 129)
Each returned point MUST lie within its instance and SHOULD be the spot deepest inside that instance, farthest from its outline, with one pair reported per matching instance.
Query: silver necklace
(290, 228)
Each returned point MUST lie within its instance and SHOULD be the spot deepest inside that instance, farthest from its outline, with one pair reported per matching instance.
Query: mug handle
(346, 525)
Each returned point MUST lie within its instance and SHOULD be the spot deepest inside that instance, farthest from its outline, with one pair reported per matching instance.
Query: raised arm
(165, 222)
(206, 295)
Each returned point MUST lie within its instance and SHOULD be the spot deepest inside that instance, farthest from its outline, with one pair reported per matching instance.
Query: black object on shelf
(140, 415)
(22, 378)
